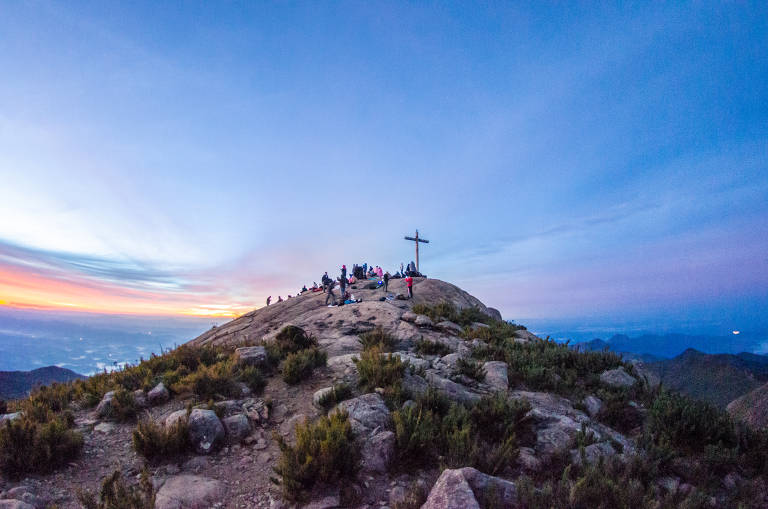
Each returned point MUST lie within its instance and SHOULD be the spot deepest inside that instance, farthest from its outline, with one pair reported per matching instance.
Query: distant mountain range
(716, 378)
(16, 384)
(671, 345)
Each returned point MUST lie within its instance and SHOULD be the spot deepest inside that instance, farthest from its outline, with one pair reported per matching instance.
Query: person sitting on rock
(352, 279)
(279, 299)
(269, 299)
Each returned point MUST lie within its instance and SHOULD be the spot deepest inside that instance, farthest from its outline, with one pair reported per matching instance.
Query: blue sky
(565, 160)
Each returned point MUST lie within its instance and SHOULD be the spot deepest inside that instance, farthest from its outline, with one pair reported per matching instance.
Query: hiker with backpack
(386, 281)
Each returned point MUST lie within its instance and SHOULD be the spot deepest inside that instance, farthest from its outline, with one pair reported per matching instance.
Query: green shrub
(427, 347)
(378, 370)
(27, 446)
(253, 378)
(337, 394)
(209, 382)
(470, 368)
(324, 452)
(291, 339)
(299, 366)
(416, 432)
(115, 494)
(482, 435)
(415, 497)
(378, 337)
(688, 424)
(156, 442)
(123, 406)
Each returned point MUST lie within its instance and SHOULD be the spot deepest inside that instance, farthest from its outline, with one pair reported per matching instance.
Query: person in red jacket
(409, 284)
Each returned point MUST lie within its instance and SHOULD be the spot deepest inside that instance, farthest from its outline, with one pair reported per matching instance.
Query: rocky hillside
(16, 384)
(752, 407)
(431, 403)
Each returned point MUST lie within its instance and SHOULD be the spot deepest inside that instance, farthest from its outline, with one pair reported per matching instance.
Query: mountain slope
(752, 407)
(15, 384)
(717, 379)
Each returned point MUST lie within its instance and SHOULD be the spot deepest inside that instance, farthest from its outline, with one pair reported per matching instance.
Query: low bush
(253, 378)
(156, 442)
(115, 494)
(337, 394)
(436, 430)
(378, 337)
(324, 452)
(688, 424)
(291, 339)
(427, 347)
(28, 446)
(124, 406)
(376, 369)
(299, 366)
(209, 382)
(470, 368)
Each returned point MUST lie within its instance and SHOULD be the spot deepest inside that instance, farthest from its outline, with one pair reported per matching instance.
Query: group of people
(358, 273)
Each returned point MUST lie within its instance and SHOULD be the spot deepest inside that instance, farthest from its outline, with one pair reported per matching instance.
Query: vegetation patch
(376, 369)
(157, 442)
(324, 452)
(427, 347)
(115, 494)
(29, 446)
(436, 431)
(379, 338)
(300, 365)
(469, 368)
(337, 394)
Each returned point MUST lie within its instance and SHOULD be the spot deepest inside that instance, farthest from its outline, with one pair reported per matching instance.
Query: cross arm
(418, 240)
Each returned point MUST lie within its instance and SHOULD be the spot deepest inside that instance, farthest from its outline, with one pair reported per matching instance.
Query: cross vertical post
(416, 239)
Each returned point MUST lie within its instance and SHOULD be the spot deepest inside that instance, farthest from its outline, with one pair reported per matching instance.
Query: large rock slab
(449, 327)
(309, 312)
(251, 355)
(592, 453)
(469, 488)
(423, 321)
(15, 504)
(496, 375)
(206, 432)
(617, 378)
(10, 417)
(557, 423)
(189, 492)
(367, 413)
(377, 452)
(453, 390)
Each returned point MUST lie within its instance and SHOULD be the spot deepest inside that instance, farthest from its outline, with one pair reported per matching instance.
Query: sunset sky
(193, 158)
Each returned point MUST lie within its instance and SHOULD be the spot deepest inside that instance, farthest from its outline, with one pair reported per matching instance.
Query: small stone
(423, 321)
(593, 405)
(104, 427)
(158, 395)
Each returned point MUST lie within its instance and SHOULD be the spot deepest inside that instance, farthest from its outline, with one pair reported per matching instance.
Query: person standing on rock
(269, 299)
(343, 281)
(409, 284)
(279, 299)
(386, 281)
(330, 295)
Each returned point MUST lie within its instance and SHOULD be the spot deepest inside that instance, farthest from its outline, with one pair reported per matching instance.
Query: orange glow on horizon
(23, 289)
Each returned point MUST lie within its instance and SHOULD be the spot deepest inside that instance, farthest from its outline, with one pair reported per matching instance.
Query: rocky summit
(434, 402)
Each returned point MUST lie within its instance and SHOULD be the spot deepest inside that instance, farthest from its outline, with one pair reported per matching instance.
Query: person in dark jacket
(386, 281)
(269, 299)
(330, 295)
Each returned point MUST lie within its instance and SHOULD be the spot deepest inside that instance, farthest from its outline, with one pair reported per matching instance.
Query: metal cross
(416, 240)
